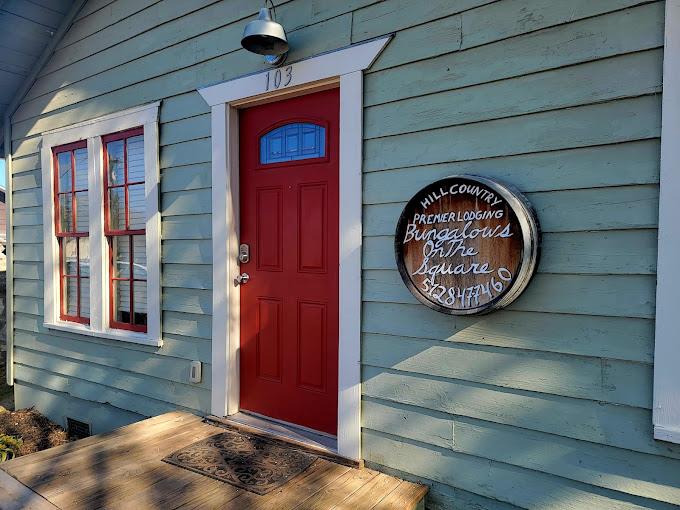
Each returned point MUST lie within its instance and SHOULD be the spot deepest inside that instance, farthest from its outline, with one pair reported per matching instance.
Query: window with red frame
(72, 229)
(125, 228)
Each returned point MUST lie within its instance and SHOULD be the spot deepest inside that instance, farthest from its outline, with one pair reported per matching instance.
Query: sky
(2, 172)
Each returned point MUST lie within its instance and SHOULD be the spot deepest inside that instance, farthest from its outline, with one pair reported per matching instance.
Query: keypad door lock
(244, 254)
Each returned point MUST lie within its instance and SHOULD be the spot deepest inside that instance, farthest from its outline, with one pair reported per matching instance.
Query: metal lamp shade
(264, 36)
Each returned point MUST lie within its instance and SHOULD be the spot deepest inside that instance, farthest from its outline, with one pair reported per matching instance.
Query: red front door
(289, 219)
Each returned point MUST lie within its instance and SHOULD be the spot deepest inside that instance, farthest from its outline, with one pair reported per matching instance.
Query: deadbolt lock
(244, 254)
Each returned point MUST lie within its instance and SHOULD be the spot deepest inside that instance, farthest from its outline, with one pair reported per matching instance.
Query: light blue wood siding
(546, 404)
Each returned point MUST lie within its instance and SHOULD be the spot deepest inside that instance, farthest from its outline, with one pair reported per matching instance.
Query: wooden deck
(123, 470)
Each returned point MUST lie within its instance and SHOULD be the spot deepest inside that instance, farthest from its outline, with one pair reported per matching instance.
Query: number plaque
(467, 245)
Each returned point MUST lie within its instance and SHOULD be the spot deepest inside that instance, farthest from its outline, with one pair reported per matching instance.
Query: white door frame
(341, 68)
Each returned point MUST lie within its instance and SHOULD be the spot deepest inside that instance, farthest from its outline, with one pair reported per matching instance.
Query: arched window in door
(298, 140)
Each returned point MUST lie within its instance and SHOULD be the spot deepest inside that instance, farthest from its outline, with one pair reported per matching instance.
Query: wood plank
(187, 324)
(607, 252)
(593, 125)
(186, 202)
(167, 486)
(305, 42)
(343, 486)
(188, 276)
(495, 480)
(180, 251)
(623, 207)
(611, 381)
(187, 340)
(187, 300)
(508, 19)
(589, 39)
(608, 424)
(102, 417)
(111, 482)
(193, 226)
(406, 495)
(364, 497)
(44, 456)
(91, 471)
(608, 295)
(612, 468)
(620, 338)
(318, 476)
(183, 130)
(393, 15)
(144, 361)
(631, 75)
(220, 42)
(101, 18)
(137, 398)
(186, 177)
(183, 105)
(16, 496)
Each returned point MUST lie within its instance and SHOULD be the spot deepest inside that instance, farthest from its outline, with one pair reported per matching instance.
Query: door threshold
(315, 442)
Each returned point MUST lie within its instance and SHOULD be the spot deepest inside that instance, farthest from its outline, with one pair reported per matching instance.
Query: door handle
(242, 279)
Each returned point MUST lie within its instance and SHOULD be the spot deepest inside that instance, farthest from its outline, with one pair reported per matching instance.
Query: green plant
(9, 447)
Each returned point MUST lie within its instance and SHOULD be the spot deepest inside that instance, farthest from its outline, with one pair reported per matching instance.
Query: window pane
(69, 255)
(121, 301)
(115, 162)
(70, 296)
(117, 209)
(84, 256)
(85, 297)
(293, 142)
(139, 246)
(82, 212)
(64, 171)
(137, 209)
(80, 156)
(135, 154)
(121, 256)
(140, 302)
(66, 213)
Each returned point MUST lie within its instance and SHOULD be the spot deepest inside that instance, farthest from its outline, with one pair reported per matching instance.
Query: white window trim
(92, 131)
(343, 68)
(666, 415)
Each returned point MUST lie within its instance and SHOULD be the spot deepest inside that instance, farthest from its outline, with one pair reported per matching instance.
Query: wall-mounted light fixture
(265, 36)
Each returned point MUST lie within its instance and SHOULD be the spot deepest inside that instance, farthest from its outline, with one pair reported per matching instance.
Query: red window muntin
(66, 220)
(122, 232)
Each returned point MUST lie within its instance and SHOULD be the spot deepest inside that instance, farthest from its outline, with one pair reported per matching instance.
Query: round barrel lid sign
(467, 245)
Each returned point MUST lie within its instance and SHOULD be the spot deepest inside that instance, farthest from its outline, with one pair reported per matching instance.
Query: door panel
(289, 218)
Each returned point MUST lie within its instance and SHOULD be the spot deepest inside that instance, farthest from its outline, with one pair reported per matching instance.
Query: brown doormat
(250, 462)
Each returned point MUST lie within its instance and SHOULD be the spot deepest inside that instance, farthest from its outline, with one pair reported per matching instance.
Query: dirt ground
(36, 431)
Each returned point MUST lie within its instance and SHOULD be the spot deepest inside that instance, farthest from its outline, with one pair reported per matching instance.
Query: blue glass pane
(293, 141)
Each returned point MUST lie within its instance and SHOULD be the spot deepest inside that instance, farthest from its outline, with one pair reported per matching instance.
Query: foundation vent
(77, 429)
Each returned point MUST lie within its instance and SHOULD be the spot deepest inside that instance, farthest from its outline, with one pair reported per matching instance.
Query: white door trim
(341, 68)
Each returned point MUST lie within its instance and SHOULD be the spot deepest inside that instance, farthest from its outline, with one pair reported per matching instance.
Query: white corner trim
(92, 131)
(341, 68)
(328, 65)
(666, 413)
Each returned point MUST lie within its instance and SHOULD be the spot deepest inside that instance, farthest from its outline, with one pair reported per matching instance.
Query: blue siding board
(599, 336)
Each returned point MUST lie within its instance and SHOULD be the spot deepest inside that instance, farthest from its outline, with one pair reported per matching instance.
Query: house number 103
(279, 78)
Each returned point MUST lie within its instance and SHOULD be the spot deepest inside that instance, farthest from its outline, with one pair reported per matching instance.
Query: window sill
(666, 434)
(111, 334)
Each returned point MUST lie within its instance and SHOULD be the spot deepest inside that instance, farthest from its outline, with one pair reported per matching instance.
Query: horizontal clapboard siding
(547, 403)
(544, 404)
